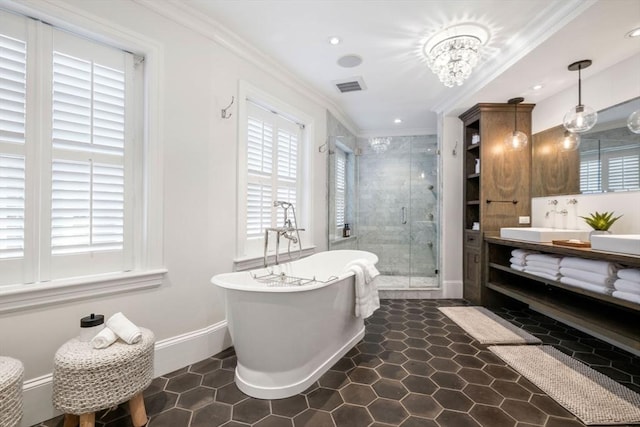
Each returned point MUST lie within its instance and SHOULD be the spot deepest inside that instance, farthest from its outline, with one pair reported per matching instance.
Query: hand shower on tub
(287, 231)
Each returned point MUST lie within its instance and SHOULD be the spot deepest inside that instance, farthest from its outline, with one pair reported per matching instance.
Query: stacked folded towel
(118, 326)
(519, 258)
(543, 265)
(627, 284)
(367, 298)
(593, 275)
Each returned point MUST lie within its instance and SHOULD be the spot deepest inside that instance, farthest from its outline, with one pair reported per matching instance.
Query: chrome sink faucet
(288, 231)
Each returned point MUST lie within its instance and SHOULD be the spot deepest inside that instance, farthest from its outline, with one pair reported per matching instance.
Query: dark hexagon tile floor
(414, 368)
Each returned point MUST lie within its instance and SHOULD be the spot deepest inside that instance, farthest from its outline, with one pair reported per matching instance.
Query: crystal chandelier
(379, 145)
(452, 60)
(452, 53)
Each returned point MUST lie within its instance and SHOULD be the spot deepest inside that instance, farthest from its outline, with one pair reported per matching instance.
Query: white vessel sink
(621, 243)
(542, 234)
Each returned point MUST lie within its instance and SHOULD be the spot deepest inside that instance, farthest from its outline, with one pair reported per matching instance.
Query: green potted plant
(600, 222)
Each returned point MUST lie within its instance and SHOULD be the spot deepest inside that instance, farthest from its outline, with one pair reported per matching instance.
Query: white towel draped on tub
(124, 328)
(367, 299)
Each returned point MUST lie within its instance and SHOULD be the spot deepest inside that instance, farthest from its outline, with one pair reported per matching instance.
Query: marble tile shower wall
(404, 176)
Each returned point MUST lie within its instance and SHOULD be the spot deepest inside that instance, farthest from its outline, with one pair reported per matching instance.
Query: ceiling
(530, 42)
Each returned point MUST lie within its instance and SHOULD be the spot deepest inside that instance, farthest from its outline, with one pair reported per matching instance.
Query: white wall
(198, 78)
(625, 204)
(451, 138)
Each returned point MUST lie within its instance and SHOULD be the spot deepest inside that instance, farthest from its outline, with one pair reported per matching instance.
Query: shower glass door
(397, 210)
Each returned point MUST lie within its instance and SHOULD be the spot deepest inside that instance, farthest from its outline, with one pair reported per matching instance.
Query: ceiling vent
(353, 84)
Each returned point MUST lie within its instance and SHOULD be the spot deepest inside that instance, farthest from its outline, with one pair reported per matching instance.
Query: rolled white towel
(104, 338)
(550, 259)
(585, 285)
(597, 266)
(630, 274)
(545, 265)
(124, 328)
(548, 271)
(517, 267)
(517, 261)
(521, 253)
(589, 276)
(627, 296)
(544, 275)
(627, 286)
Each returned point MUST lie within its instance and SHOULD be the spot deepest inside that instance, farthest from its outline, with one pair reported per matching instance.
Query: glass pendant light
(633, 122)
(516, 140)
(580, 118)
(570, 141)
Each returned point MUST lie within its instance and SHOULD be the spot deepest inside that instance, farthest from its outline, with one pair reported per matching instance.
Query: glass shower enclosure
(393, 209)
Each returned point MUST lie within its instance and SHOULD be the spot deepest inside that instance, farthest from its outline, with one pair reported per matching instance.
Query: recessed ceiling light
(634, 33)
(536, 87)
(334, 40)
(397, 121)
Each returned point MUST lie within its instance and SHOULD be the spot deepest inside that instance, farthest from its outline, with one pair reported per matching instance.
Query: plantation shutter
(88, 147)
(590, 176)
(341, 185)
(259, 169)
(13, 91)
(272, 168)
(624, 172)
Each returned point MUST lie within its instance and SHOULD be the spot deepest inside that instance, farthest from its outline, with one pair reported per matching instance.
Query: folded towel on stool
(104, 338)
(124, 328)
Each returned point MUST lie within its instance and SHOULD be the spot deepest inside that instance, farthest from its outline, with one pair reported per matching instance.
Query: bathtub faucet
(288, 231)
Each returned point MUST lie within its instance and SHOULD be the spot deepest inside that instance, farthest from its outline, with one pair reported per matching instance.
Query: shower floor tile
(431, 373)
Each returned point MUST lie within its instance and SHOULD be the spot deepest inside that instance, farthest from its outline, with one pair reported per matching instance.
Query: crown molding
(212, 29)
(539, 29)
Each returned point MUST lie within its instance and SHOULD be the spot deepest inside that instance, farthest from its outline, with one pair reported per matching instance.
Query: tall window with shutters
(66, 129)
(271, 172)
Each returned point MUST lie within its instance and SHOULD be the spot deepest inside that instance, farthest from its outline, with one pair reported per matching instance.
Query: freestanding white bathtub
(287, 336)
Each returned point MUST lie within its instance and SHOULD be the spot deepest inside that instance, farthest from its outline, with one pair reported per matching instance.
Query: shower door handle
(403, 215)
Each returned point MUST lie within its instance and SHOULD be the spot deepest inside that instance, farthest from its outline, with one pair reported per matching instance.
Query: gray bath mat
(486, 327)
(589, 395)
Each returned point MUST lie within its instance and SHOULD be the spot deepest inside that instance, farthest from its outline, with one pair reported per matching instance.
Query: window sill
(18, 297)
(343, 239)
(249, 263)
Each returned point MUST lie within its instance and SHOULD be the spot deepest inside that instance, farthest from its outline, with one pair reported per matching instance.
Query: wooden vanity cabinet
(612, 319)
(498, 193)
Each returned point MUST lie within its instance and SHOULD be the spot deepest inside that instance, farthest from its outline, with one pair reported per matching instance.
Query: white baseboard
(170, 354)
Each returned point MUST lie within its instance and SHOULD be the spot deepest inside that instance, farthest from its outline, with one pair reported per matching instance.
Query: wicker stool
(86, 380)
(11, 377)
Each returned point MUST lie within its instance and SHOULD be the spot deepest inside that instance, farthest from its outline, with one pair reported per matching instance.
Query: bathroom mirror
(607, 160)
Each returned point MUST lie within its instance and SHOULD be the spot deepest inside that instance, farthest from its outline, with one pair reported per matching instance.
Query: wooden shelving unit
(601, 315)
(503, 175)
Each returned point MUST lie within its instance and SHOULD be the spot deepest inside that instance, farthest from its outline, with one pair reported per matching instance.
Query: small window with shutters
(270, 163)
(340, 187)
(66, 130)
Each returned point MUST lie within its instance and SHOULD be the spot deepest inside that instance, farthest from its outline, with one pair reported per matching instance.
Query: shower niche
(391, 205)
